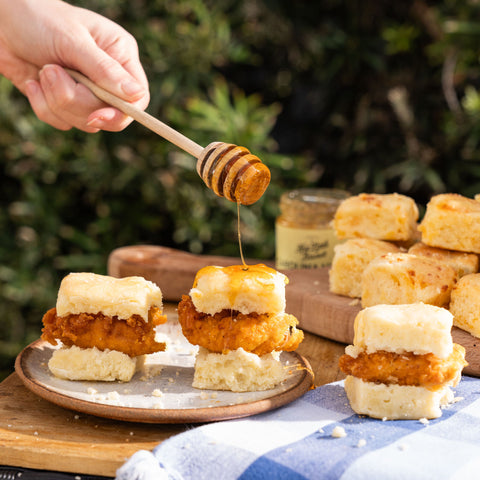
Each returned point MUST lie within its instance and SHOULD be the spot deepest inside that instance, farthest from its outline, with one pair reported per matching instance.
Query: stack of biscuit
(453, 222)
(387, 258)
(415, 282)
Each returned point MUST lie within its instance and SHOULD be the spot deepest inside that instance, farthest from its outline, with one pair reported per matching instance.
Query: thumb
(109, 74)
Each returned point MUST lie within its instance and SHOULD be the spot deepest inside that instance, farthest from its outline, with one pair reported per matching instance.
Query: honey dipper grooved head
(233, 172)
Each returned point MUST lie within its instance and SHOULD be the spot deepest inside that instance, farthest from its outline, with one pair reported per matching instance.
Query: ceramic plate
(161, 392)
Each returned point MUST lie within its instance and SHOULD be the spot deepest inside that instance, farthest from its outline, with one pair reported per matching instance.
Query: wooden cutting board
(308, 297)
(35, 433)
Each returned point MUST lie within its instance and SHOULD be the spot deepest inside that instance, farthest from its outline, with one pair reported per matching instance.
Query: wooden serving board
(308, 297)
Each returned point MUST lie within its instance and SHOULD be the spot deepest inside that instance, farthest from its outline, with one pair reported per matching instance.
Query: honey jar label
(304, 247)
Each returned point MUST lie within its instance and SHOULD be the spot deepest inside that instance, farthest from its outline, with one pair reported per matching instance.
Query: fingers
(108, 119)
(64, 100)
(37, 100)
(61, 102)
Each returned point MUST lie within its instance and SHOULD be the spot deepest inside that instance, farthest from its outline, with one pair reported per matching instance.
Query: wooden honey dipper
(229, 170)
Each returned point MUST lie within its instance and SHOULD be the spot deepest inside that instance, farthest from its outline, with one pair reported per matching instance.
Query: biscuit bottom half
(237, 370)
(75, 363)
(396, 402)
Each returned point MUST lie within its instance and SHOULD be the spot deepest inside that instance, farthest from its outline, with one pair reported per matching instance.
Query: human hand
(39, 37)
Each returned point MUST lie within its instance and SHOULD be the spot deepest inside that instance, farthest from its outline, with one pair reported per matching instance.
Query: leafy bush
(367, 96)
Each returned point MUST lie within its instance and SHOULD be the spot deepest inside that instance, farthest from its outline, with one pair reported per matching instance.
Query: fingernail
(132, 88)
(96, 122)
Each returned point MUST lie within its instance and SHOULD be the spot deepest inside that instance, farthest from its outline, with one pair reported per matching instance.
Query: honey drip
(245, 267)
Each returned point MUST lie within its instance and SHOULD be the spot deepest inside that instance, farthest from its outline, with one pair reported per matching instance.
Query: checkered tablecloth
(296, 442)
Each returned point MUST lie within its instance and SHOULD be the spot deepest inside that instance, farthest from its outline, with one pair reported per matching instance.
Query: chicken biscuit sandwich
(103, 324)
(236, 315)
(402, 363)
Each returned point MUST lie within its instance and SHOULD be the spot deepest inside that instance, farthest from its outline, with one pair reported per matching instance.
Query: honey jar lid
(312, 205)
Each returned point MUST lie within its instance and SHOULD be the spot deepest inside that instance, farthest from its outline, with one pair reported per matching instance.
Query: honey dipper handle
(140, 116)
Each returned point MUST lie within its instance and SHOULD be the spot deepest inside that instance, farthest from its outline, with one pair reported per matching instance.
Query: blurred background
(368, 96)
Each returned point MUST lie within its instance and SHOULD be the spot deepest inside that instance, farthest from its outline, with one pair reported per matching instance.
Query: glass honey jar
(304, 237)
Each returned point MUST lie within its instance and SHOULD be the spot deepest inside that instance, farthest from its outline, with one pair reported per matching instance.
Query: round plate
(161, 391)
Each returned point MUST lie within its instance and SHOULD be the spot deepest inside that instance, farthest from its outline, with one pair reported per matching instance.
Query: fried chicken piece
(228, 330)
(405, 369)
(133, 336)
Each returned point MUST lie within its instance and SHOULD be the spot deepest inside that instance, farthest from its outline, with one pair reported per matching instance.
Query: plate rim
(167, 415)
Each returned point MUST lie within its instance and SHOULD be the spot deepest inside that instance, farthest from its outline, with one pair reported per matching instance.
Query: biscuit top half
(244, 288)
(454, 202)
(418, 328)
(86, 292)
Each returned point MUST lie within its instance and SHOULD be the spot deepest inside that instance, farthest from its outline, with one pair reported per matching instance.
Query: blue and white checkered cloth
(296, 442)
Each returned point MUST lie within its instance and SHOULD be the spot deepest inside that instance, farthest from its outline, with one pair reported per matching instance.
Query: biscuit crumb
(150, 371)
(157, 393)
(361, 443)
(113, 397)
(423, 421)
(339, 432)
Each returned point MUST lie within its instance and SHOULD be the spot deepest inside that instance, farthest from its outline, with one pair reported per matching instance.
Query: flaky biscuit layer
(246, 289)
(418, 328)
(396, 402)
(86, 292)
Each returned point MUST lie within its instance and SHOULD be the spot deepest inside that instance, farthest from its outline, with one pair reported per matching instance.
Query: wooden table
(37, 434)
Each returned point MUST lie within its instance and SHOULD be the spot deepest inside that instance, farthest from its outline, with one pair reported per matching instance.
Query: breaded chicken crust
(405, 369)
(228, 330)
(133, 336)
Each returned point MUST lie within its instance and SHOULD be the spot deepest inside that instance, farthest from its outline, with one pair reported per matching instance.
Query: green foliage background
(368, 96)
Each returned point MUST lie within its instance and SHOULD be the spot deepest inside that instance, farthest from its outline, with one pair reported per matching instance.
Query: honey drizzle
(245, 267)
